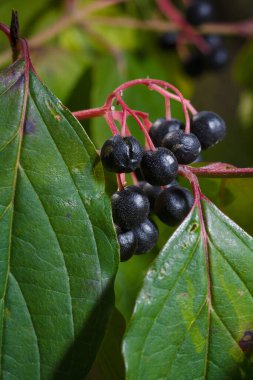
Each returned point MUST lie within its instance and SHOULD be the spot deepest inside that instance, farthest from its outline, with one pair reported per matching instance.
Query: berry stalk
(219, 170)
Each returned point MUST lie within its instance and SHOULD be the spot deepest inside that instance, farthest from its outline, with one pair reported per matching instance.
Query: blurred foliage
(84, 61)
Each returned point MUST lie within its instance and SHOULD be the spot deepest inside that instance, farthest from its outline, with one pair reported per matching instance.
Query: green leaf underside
(57, 243)
(173, 333)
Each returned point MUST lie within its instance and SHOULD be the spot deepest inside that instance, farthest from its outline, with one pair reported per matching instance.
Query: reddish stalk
(121, 181)
(93, 112)
(110, 121)
(198, 196)
(6, 31)
(167, 107)
(123, 123)
(182, 100)
(173, 13)
(219, 170)
(151, 83)
(133, 114)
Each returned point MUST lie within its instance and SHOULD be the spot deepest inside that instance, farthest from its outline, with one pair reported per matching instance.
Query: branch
(244, 28)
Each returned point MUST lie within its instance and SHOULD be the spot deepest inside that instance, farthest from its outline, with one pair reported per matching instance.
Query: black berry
(151, 192)
(199, 12)
(130, 207)
(209, 128)
(194, 64)
(146, 235)
(168, 40)
(161, 127)
(186, 147)
(173, 204)
(121, 155)
(217, 59)
(159, 167)
(128, 243)
(214, 40)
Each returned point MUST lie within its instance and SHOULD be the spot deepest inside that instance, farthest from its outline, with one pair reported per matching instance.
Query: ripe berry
(146, 235)
(159, 167)
(121, 155)
(128, 243)
(173, 204)
(186, 147)
(214, 40)
(168, 41)
(130, 207)
(161, 127)
(151, 192)
(194, 64)
(199, 12)
(217, 59)
(209, 128)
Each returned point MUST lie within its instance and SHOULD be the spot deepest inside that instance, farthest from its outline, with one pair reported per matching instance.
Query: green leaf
(181, 331)
(57, 242)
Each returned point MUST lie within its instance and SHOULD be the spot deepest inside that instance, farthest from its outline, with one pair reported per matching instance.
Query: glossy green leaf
(57, 243)
(177, 331)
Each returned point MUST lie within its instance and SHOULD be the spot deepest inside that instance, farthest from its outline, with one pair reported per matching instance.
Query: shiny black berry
(161, 127)
(168, 41)
(130, 207)
(121, 155)
(159, 167)
(199, 12)
(173, 204)
(151, 192)
(128, 243)
(146, 235)
(209, 128)
(186, 147)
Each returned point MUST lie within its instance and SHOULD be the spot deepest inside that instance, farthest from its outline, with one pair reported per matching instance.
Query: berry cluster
(196, 62)
(158, 192)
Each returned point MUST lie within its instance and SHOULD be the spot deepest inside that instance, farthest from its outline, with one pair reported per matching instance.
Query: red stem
(219, 170)
(167, 108)
(184, 171)
(110, 121)
(183, 102)
(93, 112)
(120, 180)
(142, 127)
(4, 28)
